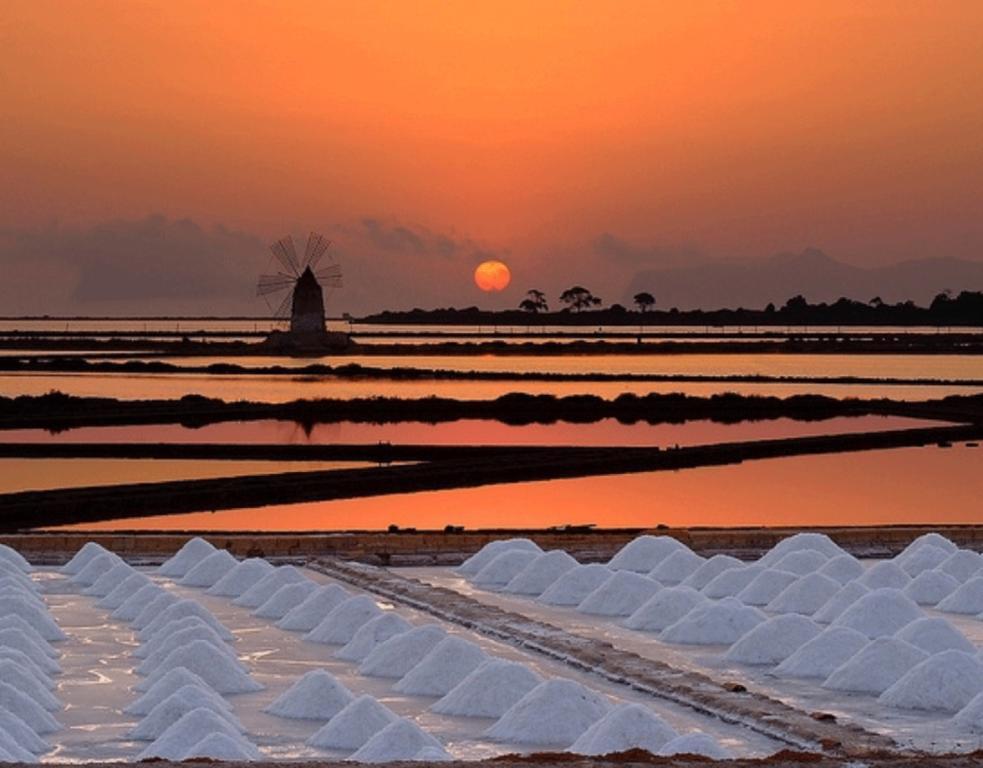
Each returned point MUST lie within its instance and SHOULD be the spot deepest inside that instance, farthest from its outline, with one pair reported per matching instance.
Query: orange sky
(737, 128)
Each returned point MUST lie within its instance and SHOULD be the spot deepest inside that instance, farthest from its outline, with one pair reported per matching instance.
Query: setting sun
(492, 276)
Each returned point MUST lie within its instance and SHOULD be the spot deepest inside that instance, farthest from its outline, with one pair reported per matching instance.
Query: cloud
(622, 252)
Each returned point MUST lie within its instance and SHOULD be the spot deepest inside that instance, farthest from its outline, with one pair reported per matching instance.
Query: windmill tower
(300, 282)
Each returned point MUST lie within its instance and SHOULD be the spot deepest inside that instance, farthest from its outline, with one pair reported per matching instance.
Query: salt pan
(710, 569)
(680, 564)
(503, 568)
(823, 655)
(847, 596)
(209, 570)
(193, 552)
(945, 682)
(398, 655)
(340, 626)
(627, 726)
(696, 743)
(880, 613)
(664, 608)
(220, 671)
(450, 661)
(732, 581)
(240, 578)
(312, 611)
(489, 690)
(774, 640)
(574, 585)
(621, 595)
(644, 553)
(316, 696)
(194, 726)
(372, 633)
(285, 599)
(400, 740)
(766, 586)
(264, 589)
(876, 667)
(844, 568)
(490, 551)
(805, 595)
(175, 706)
(934, 635)
(966, 599)
(931, 587)
(801, 562)
(554, 713)
(354, 725)
(720, 623)
(540, 573)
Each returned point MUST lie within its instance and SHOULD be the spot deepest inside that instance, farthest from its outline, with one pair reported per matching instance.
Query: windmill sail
(300, 281)
(284, 251)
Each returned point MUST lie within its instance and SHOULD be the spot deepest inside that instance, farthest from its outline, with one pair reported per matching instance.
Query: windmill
(301, 283)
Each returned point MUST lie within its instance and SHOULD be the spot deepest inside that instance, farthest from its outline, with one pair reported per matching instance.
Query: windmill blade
(284, 309)
(329, 276)
(284, 251)
(274, 283)
(316, 246)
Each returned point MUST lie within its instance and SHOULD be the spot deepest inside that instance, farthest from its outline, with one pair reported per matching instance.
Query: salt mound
(400, 740)
(774, 640)
(194, 726)
(312, 611)
(927, 539)
(801, 562)
(847, 596)
(822, 655)
(451, 660)
(12, 578)
(316, 696)
(664, 608)
(493, 549)
(178, 704)
(157, 605)
(340, 626)
(23, 680)
(710, 569)
(22, 733)
(27, 664)
(164, 634)
(818, 542)
(222, 746)
(644, 553)
(124, 590)
(969, 718)
(554, 713)
(110, 580)
(172, 681)
(945, 682)
(503, 568)
(805, 595)
(95, 568)
(680, 564)
(179, 639)
(20, 641)
(134, 605)
(720, 623)
(621, 595)
(12, 752)
(574, 585)
(33, 614)
(934, 635)
(193, 552)
(372, 633)
(966, 599)
(540, 573)
(13, 621)
(82, 558)
(882, 612)
(627, 726)
(264, 589)
(182, 609)
(398, 655)
(962, 565)
(28, 710)
(209, 570)
(354, 725)
(222, 672)
(922, 559)
(489, 690)
(876, 667)
(931, 587)
(285, 599)
(844, 568)
(696, 743)
(241, 578)
(766, 586)
(732, 581)
(887, 575)
(15, 558)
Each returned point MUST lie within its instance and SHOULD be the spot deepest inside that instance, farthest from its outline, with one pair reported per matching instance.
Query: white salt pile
(536, 577)
(720, 623)
(490, 551)
(209, 570)
(970, 717)
(876, 667)
(15, 558)
(554, 713)
(340, 626)
(176, 706)
(221, 746)
(134, 605)
(240, 578)
(885, 575)
(178, 626)
(823, 655)
(285, 599)
(182, 609)
(354, 725)
(10, 577)
(774, 640)
(664, 608)
(801, 562)
(12, 752)
(847, 596)
(28, 710)
(312, 610)
(372, 633)
(25, 662)
(95, 568)
(32, 613)
(621, 595)
(398, 655)
(927, 539)
(680, 564)
(450, 661)
(110, 580)
(19, 640)
(13, 621)
(968, 598)
(400, 740)
(194, 726)
(881, 612)
(710, 569)
(82, 558)
(124, 590)
(316, 696)
(945, 682)
(503, 568)
(934, 635)
(931, 587)
(193, 552)
(922, 559)
(818, 542)
(732, 581)
(805, 595)
(644, 553)
(24, 681)
(696, 743)
(962, 565)
(766, 586)
(221, 671)
(264, 589)
(154, 608)
(574, 585)
(156, 656)
(627, 726)
(22, 733)
(844, 568)
(489, 690)
(172, 681)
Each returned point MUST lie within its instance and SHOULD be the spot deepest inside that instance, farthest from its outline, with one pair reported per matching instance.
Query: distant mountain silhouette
(810, 273)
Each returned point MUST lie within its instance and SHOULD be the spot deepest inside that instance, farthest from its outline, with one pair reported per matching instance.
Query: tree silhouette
(644, 301)
(578, 298)
(535, 302)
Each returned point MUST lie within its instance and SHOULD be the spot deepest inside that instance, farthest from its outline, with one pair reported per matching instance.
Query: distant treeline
(965, 309)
